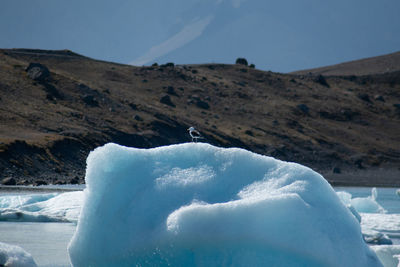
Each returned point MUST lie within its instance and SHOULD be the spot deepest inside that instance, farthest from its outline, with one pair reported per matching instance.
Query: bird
(194, 134)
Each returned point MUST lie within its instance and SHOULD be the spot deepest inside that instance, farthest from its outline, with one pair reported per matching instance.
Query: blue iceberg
(11, 255)
(199, 205)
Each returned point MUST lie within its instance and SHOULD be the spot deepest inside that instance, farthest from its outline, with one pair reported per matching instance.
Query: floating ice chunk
(362, 204)
(368, 204)
(377, 238)
(52, 207)
(372, 217)
(198, 205)
(388, 255)
(14, 256)
(398, 192)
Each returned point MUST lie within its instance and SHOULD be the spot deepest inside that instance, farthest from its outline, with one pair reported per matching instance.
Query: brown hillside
(347, 128)
(368, 66)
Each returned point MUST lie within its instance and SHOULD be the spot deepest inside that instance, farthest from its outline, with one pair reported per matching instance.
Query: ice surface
(381, 222)
(14, 256)
(198, 205)
(388, 255)
(377, 226)
(51, 207)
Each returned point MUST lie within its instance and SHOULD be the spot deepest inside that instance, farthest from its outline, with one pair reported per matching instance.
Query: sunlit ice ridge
(195, 204)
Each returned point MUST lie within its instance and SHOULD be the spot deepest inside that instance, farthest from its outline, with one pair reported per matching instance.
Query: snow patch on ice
(186, 177)
(381, 222)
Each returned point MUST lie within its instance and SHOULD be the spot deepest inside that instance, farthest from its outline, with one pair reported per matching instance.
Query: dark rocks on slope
(379, 98)
(40, 182)
(37, 72)
(171, 91)
(166, 99)
(303, 108)
(168, 64)
(8, 181)
(249, 132)
(364, 97)
(336, 170)
(202, 104)
(133, 106)
(40, 73)
(138, 118)
(90, 101)
(74, 180)
(51, 92)
(397, 109)
(321, 80)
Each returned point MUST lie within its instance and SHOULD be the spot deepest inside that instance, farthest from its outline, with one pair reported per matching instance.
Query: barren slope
(345, 127)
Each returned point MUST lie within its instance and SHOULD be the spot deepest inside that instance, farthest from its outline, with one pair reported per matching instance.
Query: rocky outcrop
(37, 72)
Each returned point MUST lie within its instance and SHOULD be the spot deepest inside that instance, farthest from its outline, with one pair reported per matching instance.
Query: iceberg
(14, 256)
(368, 204)
(195, 204)
(362, 204)
(51, 207)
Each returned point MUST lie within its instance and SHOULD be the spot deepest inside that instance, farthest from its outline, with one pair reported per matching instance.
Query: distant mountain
(281, 36)
(374, 65)
(56, 106)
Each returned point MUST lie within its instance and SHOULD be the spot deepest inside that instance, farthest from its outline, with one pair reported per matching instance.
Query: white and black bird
(194, 134)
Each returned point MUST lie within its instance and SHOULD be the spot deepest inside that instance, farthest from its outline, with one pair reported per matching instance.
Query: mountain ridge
(373, 65)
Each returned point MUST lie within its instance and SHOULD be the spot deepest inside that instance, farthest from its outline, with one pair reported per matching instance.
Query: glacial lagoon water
(47, 241)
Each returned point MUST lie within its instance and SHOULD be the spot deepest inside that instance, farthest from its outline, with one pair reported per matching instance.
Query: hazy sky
(283, 35)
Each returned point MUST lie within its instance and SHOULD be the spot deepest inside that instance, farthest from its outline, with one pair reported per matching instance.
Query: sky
(282, 36)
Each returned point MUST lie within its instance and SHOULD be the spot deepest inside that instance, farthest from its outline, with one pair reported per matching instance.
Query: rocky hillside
(56, 106)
